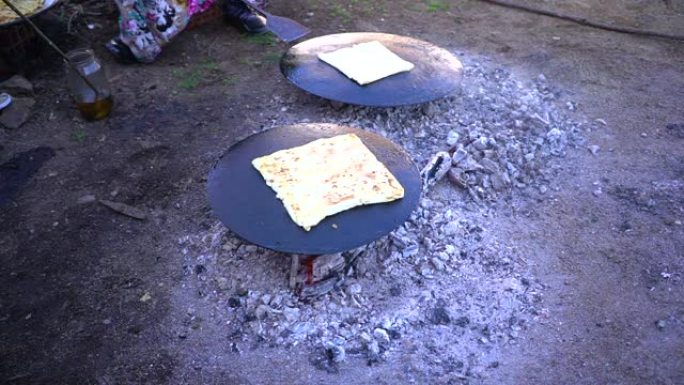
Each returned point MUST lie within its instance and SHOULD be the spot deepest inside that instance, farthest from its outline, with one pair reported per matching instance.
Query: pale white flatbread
(327, 176)
(366, 62)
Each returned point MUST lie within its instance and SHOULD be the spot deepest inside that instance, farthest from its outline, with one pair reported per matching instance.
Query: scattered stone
(436, 168)
(594, 149)
(451, 228)
(440, 316)
(17, 86)
(318, 289)
(373, 352)
(437, 263)
(676, 129)
(452, 138)
(146, 297)
(250, 249)
(395, 291)
(480, 144)
(324, 266)
(381, 336)
(234, 302)
(223, 283)
(124, 209)
(410, 251)
(458, 177)
(89, 198)
(17, 113)
(262, 311)
(336, 353)
(661, 324)
(321, 359)
(353, 289)
(459, 156)
(489, 165)
(499, 181)
(462, 321)
(291, 314)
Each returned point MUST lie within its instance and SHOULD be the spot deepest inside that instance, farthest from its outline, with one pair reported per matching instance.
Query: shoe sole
(5, 100)
(256, 31)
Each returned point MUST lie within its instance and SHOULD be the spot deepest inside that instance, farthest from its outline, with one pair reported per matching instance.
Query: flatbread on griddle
(367, 62)
(327, 176)
(26, 7)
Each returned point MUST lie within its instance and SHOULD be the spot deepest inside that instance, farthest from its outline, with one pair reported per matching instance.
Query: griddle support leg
(294, 270)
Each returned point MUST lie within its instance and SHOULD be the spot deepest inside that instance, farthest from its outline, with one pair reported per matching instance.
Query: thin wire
(583, 21)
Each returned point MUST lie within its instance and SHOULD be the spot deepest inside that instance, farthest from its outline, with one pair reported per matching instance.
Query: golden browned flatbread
(26, 7)
(327, 176)
(366, 62)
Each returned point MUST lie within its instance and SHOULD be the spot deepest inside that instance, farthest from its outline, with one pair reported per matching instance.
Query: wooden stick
(583, 21)
(294, 270)
(54, 46)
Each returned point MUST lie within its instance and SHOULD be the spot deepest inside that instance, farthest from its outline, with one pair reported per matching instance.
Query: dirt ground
(608, 246)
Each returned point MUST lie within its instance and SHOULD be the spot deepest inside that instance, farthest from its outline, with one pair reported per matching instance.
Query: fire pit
(249, 208)
(437, 72)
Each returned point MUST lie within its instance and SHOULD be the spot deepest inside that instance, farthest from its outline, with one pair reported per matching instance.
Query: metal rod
(54, 46)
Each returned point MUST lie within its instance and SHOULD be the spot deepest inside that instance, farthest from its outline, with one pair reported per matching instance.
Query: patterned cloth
(147, 25)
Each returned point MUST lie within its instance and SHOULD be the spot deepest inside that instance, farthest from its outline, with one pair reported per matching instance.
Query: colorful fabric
(147, 25)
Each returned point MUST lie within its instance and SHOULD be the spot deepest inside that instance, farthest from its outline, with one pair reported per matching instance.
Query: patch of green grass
(341, 12)
(264, 39)
(437, 5)
(249, 61)
(191, 78)
(79, 135)
(210, 66)
(229, 80)
(272, 57)
(364, 7)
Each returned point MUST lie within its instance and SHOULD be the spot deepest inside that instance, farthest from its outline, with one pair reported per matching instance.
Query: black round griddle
(248, 207)
(47, 4)
(436, 73)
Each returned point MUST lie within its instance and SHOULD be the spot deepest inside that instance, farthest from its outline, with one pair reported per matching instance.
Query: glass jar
(92, 105)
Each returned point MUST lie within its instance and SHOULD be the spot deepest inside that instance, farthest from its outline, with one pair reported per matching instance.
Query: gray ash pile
(444, 288)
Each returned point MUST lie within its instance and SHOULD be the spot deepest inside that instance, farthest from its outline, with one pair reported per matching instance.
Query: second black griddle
(244, 203)
(436, 74)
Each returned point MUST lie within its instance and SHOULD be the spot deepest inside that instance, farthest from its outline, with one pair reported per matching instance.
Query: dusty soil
(606, 243)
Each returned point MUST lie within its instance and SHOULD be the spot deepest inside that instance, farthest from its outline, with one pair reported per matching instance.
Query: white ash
(461, 288)
(443, 286)
(500, 132)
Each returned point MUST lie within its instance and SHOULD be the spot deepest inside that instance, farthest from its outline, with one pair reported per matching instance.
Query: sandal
(5, 100)
(121, 51)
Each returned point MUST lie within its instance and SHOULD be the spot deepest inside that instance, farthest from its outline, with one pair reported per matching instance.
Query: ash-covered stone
(440, 316)
(436, 168)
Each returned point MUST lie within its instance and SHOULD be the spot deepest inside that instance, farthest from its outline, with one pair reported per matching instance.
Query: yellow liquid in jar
(97, 110)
